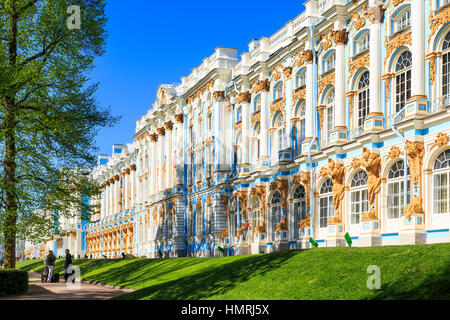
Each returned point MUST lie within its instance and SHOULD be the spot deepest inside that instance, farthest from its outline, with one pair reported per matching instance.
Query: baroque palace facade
(338, 123)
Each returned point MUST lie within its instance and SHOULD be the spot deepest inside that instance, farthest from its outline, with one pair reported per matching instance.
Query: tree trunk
(10, 148)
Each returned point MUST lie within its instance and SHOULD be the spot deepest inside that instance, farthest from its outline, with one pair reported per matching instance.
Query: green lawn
(407, 272)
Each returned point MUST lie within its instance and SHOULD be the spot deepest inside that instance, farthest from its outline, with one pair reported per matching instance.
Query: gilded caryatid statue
(372, 163)
(337, 173)
(415, 152)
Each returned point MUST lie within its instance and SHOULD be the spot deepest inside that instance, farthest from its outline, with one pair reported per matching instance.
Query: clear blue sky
(153, 42)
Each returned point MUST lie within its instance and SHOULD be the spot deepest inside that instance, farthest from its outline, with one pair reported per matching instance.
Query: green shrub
(13, 282)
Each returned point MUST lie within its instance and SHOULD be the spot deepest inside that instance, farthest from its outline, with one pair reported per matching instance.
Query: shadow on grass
(214, 280)
(435, 286)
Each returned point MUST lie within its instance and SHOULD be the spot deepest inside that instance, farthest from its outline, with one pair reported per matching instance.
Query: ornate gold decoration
(261, 86)
(436, 22)
(360, 21)
(307, 56)
(260, 192)
(350, 95)
(287, 73)
(432, 60)
(415, 152)
(358, 63)
(339, 36)
(208, 199)
(219, 96)
(255, 117)
(394, 153)
(201, 91)
(337, 173)
(397, 2)
(243, 197)
(320, 110)
(161, 131)
(298, 94)
(275, 74)
(179, 118)
(372, 163)
(325, 81)
(325, 40)
(400, 39)
(244, 97)
(374, 14)
(387, 79)
(442, 139)
(278, 106)
(168, 125)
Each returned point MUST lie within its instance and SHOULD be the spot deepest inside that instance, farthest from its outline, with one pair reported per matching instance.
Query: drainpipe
(233, 167)
(184, 170)
(405, 165)
(314, 102)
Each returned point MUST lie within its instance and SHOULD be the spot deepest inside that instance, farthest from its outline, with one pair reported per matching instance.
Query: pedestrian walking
(50, 262)
(67, 264)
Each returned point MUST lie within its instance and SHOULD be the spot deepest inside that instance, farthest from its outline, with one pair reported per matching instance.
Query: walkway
(60, 291)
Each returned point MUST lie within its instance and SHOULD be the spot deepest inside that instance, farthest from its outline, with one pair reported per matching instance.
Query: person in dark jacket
(50, 262)
(67, 263)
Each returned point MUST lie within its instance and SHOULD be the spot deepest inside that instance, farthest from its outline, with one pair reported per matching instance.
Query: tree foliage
(49, 116)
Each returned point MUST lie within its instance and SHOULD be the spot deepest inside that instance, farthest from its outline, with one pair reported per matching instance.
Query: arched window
(169, 221)
(403, 20)
(300, 79)
(402, 80)
(329, 116)
(208, 219)
(278, 91)
(326, 203)
(396, 189)
(446, 70)
(363, 98)
(280, 139)
(275, 208)
(441, 183)
(359, 198)
(256, 146)
(329, 62)
(257, 104)
(190, 222)
(199, 218)
(301, 124)
(299, 209)
(362, 43)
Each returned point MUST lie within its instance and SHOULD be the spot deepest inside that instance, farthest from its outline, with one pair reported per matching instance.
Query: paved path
(60, 291)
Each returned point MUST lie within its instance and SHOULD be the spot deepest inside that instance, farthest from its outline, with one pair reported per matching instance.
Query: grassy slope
(407, 272)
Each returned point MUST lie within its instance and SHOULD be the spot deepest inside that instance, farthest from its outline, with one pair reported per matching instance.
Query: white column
(161, 132)
(264, 134)
(154, 167)
(111, 197)
(375, 66)
(126, 187)
(245, 145)
(418, 48)
(169, 164)
(340, 38)
(309, 114)
(138, 173)
(179, 119)
(132, 184)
